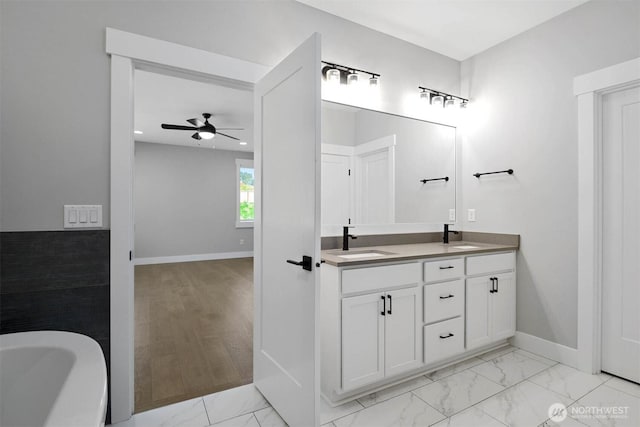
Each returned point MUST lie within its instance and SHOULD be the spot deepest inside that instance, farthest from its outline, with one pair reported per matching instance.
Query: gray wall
(55, 73)
(185, 201)
(524, 116)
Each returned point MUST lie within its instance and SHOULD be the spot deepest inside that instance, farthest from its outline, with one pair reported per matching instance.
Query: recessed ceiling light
(243, 143)
(138, 132)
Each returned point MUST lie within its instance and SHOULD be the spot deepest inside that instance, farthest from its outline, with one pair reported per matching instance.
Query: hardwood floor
(193, 329)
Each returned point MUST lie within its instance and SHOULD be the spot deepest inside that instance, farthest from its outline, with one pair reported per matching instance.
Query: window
(245, 178)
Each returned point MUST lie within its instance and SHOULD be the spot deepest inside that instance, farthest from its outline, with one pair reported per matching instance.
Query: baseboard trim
(550, 350)
(189, 258)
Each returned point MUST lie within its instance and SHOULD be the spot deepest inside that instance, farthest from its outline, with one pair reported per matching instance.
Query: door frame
(129, 52)
(589, 89)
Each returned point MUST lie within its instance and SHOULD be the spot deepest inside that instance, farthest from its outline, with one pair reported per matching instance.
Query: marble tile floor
(507, 387)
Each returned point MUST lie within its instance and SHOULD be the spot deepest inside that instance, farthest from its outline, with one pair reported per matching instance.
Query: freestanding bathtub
(51, 378)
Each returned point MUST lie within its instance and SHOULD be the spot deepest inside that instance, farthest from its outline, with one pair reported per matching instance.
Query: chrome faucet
(445, 236)
(345, 237)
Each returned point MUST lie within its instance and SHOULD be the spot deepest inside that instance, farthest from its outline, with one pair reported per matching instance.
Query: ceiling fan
(204, 130)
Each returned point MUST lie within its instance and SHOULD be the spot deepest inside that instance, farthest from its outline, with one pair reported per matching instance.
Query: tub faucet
(345, 237)
(445, 236)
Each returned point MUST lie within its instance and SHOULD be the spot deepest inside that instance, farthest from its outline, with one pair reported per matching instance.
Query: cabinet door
(503, 307)
(403, 334)
(362, 340)
(478, 312)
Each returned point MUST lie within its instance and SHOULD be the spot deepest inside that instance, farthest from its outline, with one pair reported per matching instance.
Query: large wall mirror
(374, 167)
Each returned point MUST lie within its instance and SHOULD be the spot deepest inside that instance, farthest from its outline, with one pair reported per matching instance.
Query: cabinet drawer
(378, 278)
(443, 300)
(482, 264)
(436, 271)
(443, 339)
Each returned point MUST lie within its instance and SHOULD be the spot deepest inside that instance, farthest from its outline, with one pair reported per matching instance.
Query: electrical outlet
(452, 214)
(471, 215)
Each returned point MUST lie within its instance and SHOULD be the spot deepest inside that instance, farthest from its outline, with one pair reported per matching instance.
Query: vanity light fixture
(352, 78)
(336, 73)
(441, 99)
(332, 75)
(437, 100)
(449, 102)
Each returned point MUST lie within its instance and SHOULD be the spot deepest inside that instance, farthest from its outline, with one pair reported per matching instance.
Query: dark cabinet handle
(446, 268)
(306, 262)
(384, 305)
(390, 304)
(448, 296)
(497, 285)
(493, 285)
(446, 336)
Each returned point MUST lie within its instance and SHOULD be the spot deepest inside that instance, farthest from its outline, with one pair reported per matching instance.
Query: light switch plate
(82, 216)
(452, 214)
(471, 215)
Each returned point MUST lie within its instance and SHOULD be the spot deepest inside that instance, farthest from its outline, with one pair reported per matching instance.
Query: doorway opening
(193, 230)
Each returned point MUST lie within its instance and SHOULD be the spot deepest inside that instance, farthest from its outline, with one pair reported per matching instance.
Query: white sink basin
(363, 255)
(360, 254)
(466, 247)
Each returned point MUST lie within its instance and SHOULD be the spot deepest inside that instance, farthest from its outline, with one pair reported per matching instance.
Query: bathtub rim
(83, 397)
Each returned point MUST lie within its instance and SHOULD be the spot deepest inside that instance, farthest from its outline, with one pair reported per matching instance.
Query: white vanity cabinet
(379, 336)
(491, 299)
(443, 308)
(382, 323)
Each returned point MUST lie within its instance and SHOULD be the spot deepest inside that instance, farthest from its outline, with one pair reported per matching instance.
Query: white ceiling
(167, 99)
(455, 28)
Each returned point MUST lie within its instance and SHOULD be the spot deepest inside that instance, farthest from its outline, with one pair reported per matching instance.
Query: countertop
(408, 252)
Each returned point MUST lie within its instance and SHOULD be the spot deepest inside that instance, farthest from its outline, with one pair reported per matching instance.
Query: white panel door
(478, 313)
(621, 234)
(503, 307)
(362, 340)
(403, 334)
(287, 226)
(375, 181)
(336, 183)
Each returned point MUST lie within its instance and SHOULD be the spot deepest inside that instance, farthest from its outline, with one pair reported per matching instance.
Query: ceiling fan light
(206, 135)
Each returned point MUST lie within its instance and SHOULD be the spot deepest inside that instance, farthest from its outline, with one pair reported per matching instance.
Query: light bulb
(138, 132)
(424, 96)
(374, 81)
(352, 78)
(206, 135)
(333, 75)
(463, 104)
(437, 100)
(449, 102)
(243, 143)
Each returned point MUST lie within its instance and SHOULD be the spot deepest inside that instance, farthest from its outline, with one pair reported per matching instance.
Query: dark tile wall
(56, 280)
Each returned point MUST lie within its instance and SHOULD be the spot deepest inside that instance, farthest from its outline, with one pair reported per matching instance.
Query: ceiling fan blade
(228, 136)
(177, 127)
(196, 122)
(196, 136)
(229, 128)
